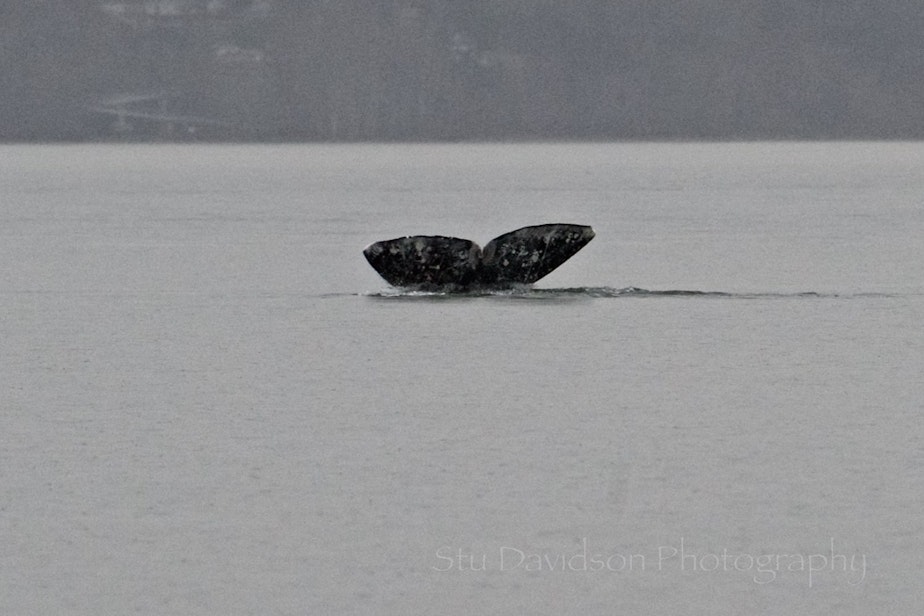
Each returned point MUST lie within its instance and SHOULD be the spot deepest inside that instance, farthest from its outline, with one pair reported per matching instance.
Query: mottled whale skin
(451, 264)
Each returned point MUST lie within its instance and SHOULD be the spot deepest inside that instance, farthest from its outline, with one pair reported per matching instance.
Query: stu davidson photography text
(678, 557)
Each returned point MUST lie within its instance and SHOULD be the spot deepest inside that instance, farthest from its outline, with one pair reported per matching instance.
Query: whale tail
(436, 262)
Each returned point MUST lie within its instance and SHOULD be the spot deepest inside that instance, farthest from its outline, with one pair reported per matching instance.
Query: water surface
(212, 404)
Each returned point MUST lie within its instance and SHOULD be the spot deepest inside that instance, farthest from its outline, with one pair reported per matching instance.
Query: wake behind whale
(602, 292)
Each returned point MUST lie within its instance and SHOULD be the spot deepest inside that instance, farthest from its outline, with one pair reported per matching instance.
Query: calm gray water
(212, 405)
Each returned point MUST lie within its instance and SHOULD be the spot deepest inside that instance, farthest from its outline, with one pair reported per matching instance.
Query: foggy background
(348, 70)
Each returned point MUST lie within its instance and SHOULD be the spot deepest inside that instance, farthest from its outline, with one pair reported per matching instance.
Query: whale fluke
(425, 261)
(440, 263)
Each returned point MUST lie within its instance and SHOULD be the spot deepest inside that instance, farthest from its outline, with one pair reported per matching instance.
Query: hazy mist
(350, 70)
